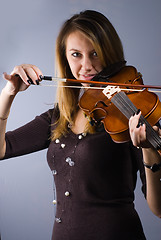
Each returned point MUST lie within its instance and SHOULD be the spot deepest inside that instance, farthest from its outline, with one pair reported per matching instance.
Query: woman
(95, 178)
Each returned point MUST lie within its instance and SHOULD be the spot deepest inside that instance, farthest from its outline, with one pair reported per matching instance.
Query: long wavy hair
(106, 42)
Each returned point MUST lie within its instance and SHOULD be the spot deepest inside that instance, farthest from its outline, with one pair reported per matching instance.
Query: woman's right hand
(21, 78)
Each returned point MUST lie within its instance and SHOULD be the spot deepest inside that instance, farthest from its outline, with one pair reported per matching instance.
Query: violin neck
(124, 104)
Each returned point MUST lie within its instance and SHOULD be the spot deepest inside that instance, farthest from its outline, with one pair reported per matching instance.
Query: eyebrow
(73, 49)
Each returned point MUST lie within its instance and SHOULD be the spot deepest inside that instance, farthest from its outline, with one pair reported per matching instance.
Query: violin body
(101, 109)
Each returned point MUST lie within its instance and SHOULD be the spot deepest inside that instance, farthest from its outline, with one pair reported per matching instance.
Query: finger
(7, 76)
(157, 129)
(38, 71)
(142, 135)
(137, 131)
(138, 136)
(159, 132)
(134, 120)
(135, 136)
(18, 70)
(33, 72)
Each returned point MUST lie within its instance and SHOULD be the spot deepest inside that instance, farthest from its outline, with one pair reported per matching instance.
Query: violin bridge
(109, 91)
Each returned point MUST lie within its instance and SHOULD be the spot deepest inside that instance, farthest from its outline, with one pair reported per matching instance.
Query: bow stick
(50, 78)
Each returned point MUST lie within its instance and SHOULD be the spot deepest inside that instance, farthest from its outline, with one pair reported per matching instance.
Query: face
(82, 57)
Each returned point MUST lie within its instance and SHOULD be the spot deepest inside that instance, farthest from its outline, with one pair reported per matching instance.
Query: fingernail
(37, 82)
(139, 124)
(16, 75)
(30, 81)
(40, 77)
(138, 111)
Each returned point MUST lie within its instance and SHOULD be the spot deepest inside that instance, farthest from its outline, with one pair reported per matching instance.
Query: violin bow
(66, 80)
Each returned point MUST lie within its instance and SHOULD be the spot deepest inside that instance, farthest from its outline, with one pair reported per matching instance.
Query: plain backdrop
(28, 33)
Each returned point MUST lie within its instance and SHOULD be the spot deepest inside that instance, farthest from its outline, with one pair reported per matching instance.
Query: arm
(5, 104)
(150, 157)
(153, 180)
(13, 86)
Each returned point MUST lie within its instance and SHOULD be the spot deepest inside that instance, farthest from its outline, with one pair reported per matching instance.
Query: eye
(76, 54)
(94, 54)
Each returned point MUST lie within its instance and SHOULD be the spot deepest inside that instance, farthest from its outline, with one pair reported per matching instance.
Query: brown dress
(94, 177)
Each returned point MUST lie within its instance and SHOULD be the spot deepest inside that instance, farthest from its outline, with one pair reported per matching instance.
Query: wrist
(7, 91)
(3, 118)
(5, 104)
(154, 168)
(151, 159)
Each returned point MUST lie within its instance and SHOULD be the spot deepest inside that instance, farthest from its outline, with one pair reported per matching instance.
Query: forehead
(77, 40)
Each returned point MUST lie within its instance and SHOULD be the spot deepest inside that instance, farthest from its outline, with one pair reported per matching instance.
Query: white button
(68, 159)
(54, 172)
(84, 134)
(62, 145)
(58, 220)
(71, 163)
(80, 136)
(54, 201)
(67, 193)
(57, 140)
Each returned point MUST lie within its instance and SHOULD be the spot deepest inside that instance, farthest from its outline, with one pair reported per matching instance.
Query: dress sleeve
(31, 137)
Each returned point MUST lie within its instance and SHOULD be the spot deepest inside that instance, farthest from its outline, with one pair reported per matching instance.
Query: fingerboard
(124, 104)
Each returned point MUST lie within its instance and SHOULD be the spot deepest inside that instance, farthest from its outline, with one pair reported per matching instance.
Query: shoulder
(51, 116)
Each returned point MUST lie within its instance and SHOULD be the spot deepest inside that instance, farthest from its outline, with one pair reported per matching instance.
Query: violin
(114, 107)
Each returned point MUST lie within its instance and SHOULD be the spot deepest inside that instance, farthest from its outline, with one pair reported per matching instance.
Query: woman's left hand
(138, 133)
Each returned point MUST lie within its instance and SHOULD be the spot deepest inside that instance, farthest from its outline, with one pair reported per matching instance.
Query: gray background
(28, 32)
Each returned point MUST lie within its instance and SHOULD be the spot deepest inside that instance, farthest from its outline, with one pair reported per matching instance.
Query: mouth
(87, 77)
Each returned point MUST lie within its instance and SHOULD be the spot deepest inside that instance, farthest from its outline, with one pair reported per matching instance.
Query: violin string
(147, 126)
(124, 105)
(123, 102)
(150, 131)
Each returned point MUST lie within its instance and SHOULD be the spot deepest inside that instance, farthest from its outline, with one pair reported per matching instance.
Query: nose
(86, 64)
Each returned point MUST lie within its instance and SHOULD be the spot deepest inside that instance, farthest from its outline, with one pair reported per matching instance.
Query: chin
(86, 85)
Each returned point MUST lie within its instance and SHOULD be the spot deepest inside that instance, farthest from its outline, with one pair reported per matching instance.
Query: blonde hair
(98, 29)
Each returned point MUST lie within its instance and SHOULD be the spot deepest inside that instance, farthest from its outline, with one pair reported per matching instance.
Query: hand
(18, 79)
(138, 133)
